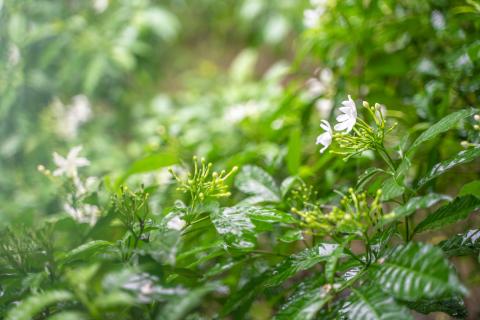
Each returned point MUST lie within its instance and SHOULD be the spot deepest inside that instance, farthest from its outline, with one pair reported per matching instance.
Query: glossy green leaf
(457, 210)
(302, 261)
(257, 183)
(32, 305)
(86, 251)
(235, 226)
(417, 271)
(308, 298)
(462, 157)
(412, 206)
(370, 303)
(463, 244)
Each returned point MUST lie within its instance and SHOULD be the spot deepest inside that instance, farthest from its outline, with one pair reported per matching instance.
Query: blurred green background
(144, 84)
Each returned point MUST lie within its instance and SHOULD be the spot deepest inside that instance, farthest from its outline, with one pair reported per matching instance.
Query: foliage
(379, 222)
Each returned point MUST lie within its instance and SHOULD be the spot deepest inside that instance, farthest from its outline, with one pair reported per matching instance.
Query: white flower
(324, 107)
(176, 224)
(14, 55)
(311, 17)
(438, 20)
(71, 117)
(100, 5)
(348, 118)
(86, 213)
(325, 138)
(240, 111)
(68, 166)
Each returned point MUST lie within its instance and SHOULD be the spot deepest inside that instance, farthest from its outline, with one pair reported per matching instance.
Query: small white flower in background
(320, 83)
(68, 165)
(100, 5)
(85, 213)
(71, 117)
(324, 107)
(240, 111)
(311, 17)
(325, 138)
(380, 111)
(438, 20)
(176, 223)
(13, 55)
(348, 118)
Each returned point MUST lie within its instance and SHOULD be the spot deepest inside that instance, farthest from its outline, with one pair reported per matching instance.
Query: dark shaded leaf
(463, 244)
(462, 157)
(455, 211)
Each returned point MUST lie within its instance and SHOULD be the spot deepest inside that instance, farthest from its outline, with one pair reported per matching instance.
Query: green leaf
(179, 307)
(472, 188)
(86, 251)
(256, 182)
(417, 271)
(412, 206)
(445, 124)
(302, 261)
(309, 297)
(440, 127)
(32, 305)
(391, 189)
(69, 315)
(150, 163)
(235, 226)
(291, 236)
(454, 306)
(331, 265)
(287, 185)
(462, 244)
(241, 299)
(455, 211)
(367, 176)
(370, 303)
(462, 157)
(294, 154)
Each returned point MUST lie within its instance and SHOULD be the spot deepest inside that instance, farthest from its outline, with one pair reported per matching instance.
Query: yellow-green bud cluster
(202, 183)
(353, 215)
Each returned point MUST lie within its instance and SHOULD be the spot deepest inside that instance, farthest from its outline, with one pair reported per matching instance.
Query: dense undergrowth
(240, 159)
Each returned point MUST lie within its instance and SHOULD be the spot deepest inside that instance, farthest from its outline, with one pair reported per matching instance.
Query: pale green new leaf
(417, 271)
(86, 251)
(256, 182)
(370, 303)
(462, 157)
(32, 305)
(455, 211)
(413, 205)
(472, 188)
